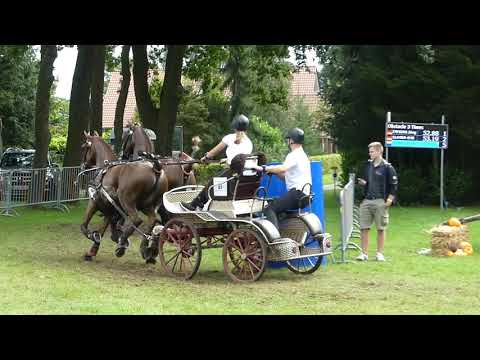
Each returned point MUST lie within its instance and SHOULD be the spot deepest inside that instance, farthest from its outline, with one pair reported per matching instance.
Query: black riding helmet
(240, 123)
(296, 134)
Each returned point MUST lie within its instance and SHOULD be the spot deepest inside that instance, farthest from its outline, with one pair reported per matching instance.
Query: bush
(413, 188)
(205, 171)
(329, 161)
(267, 139)
(458, 187)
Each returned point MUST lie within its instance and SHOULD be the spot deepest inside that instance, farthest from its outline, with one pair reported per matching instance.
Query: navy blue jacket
(390, 179)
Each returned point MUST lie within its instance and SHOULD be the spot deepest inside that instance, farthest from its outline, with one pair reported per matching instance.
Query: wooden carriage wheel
(244, 256)
(180, 251)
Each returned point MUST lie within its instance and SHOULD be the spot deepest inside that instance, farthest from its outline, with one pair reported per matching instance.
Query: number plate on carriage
(220, 186)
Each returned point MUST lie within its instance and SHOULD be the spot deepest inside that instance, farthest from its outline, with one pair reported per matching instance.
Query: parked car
(20, 161)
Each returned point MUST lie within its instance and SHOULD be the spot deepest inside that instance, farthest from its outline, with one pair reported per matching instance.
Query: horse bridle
(87, 147)
(127, 140)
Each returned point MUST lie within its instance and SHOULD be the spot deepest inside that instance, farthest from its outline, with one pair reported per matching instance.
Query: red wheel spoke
(251, 262)
(239, 241)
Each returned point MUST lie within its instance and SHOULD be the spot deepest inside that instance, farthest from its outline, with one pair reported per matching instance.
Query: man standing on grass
(381, 183)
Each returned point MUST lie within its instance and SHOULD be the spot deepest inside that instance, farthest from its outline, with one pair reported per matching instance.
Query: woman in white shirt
(236, 143)
(296, 171)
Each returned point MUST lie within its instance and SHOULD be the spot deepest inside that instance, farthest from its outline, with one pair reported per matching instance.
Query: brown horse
(133, 186)
(136, 140)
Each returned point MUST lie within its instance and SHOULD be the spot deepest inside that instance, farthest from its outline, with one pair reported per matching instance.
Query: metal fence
(46, 186)
(350, 219)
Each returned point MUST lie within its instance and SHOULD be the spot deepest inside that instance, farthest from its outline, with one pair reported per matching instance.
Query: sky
(64, 67)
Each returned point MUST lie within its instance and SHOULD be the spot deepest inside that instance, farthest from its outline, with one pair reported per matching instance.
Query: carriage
(233, 220)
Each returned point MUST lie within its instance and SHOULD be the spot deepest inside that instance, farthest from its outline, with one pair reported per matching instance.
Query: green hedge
(205, 171)
(328, 162)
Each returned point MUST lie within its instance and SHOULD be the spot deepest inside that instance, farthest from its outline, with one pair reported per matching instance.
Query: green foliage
(257, 76)
(458, 187)
(18, 83)
(206, 171)
(58, 127)
(267, 139)
(417, 84)
(196, 119)
(329, 161)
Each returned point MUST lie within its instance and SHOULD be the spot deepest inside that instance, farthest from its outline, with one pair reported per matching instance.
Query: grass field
(42, 272)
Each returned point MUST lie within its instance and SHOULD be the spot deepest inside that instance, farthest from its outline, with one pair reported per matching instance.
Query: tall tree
(18, 84)
(79, 106)
(161, 121)
(42, 105)
(1, 139)
(96, 87)
(170, 97)
(146, 109)
(122, 97)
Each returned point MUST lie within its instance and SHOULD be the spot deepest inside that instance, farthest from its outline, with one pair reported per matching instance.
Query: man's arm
(393, 185)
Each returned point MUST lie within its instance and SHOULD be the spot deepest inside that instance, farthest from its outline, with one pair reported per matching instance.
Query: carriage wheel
(309, 264)
(180, 252)
(244, 256)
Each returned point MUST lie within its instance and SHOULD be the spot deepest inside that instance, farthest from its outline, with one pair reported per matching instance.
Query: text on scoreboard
(416, 135)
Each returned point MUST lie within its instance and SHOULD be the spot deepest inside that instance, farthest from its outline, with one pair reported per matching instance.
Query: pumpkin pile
(451, 240)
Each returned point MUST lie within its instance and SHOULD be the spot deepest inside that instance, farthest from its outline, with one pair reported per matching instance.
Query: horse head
(95, 151)
(135, 140)
(89, 156)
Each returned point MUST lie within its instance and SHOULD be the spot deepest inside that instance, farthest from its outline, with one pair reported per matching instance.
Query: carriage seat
(244, 185)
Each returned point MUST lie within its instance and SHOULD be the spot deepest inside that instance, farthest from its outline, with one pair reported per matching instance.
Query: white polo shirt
(245, 146)
(298, 173)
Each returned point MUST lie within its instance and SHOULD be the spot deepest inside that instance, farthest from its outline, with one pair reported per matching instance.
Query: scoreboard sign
(410, 135)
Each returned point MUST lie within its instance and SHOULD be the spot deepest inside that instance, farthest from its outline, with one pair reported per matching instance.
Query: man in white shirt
(297, 173)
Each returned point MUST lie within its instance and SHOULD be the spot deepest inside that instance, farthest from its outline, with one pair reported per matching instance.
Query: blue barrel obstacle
(277, 188)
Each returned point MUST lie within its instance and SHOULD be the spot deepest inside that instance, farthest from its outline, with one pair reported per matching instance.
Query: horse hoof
(150, 261)
(87, 257)
(119, 251)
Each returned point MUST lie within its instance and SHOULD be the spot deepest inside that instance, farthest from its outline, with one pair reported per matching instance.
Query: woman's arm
(216, 150)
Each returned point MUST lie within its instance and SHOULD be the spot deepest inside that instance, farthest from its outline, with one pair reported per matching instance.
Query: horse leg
(96, 237)
(115, 227)
(91, 210)
(149, 250)
(128, 203)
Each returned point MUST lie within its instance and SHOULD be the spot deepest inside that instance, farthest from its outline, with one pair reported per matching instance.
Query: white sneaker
(380, 257)
(362, 257)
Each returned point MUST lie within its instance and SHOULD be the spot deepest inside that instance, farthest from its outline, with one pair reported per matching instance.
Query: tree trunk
(1, 141)
(96, 88)
(42, 135)
(122, 98)
(42, 105)
(79, 106)
(169, 99)
(146, 109)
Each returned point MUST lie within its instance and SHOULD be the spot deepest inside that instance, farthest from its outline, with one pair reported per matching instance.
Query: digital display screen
(415, 135)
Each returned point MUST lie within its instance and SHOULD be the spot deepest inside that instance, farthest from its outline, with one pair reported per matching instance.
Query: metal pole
(441, 171)
(389, 118)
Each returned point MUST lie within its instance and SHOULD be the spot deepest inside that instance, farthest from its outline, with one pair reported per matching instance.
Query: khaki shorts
(373, 210)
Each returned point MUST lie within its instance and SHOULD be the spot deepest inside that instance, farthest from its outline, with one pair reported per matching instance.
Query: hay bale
(448, 238)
